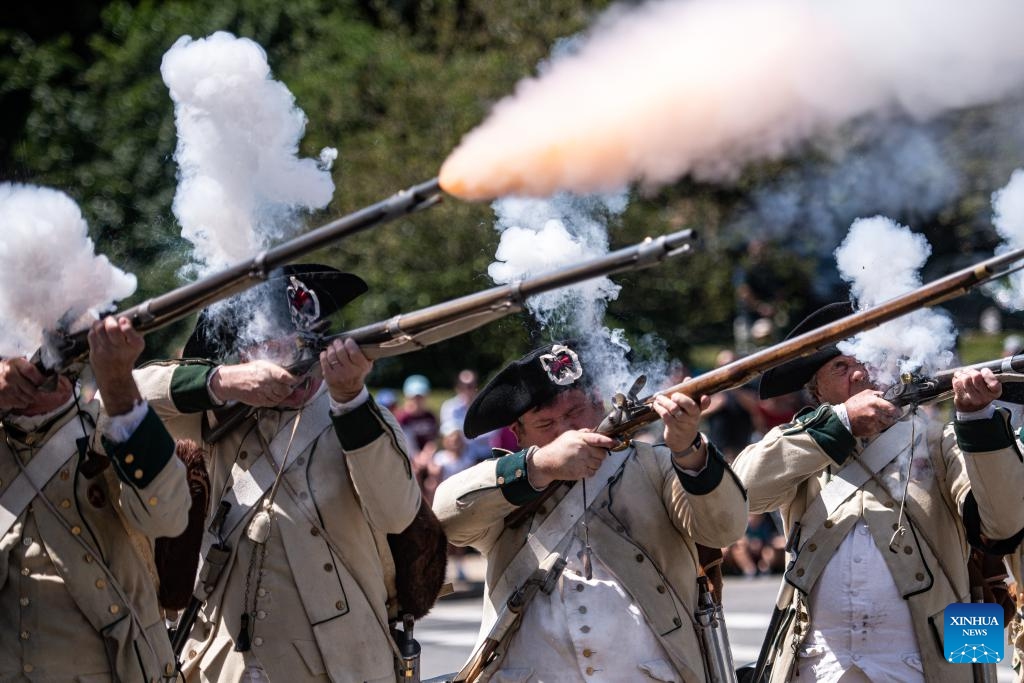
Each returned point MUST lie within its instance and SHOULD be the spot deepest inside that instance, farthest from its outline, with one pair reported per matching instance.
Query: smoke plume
(241, 184)
(919, 341)
(540, 235)
(52, 276)
(1008, 219)
(706, 86)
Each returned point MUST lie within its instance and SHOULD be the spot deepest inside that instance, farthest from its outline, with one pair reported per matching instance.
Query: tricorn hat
(301, 297)
(531, 381)
(792, 376)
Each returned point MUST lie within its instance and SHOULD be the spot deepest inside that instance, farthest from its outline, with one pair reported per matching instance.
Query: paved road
(447, 634)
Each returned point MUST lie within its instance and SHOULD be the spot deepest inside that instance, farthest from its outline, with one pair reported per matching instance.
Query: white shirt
(586, 630)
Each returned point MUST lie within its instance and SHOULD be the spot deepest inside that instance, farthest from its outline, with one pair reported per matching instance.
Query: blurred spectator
(773, 412)
(504, 439)
(454, 411)
(386, 398)
(1012, 345)
(418, 423)
(762, 549)
(732, 416)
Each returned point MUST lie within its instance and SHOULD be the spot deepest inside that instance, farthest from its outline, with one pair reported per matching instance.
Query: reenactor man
(615, 554)
(83, 495)
(881, 510)
(309, 484)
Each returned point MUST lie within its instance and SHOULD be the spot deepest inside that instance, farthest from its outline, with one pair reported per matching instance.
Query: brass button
(139, 474)
(24, 602)
(24, 635)
(590, 671)
(65, 474)
(639, 557)
(585, 629)
(87, 558)
(261, 614)
(25, 571)
(519, 473)
(889, 504)
(27, 541)
(501, 481)
(328, 567)
(339, 605)
(677, 621)
(661, 589)
(829, 524)
(583, 610)
(100, 583)
(919, 576)
(313, 531)
(579, 587)
(587, 652)
(908, 550)
(115, 608)
(65, 503)
(168, 669)
(800, 572)
(812, 546)
(192, 654)
(76, 530)
(129, 459)
(153, 500)
(261, 592)
(243, 455)
(28, 668)
(257, 641)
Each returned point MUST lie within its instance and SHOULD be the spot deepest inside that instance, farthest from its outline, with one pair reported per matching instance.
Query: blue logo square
(973, 632)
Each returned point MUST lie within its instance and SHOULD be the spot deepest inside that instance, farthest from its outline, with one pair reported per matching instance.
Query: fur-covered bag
(420, 554)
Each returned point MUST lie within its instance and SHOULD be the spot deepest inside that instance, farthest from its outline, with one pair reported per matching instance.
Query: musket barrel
(743, 370)
(167, 308)
(506, 299)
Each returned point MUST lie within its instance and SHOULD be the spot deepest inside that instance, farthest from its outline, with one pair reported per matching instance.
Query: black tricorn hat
(301, 297)
(531, 381)
(792, 376)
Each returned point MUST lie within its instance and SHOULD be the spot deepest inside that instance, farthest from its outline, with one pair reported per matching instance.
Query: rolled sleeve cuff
(340, 408)
(708, 479)
(190, 387)
(984, 435)
(143, 455)
(510, 471)
(832, 436)
(360, 426)
(121, 427)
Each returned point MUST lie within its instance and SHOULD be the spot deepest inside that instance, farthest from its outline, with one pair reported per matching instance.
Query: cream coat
(787, 469)
(644, 529)
(319, 613)
(78, 595)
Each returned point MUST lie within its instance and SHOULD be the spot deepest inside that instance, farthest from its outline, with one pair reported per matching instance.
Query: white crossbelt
(248, 486)
(556, 527)
(875, 457)
(59, 449)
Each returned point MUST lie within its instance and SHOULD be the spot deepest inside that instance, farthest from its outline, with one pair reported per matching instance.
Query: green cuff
(708, 479)
(359, 427)
(189, 387)
(829, 432)
(982, 436)
(512, 479)
(143, 456)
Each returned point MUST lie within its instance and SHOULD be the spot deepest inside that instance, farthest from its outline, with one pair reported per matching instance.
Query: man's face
(573, 409)
(285, 352)
(841, 378)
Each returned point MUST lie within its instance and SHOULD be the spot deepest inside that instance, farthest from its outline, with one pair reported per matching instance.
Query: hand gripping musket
(413, 331)
(61, 348)
(916, 390)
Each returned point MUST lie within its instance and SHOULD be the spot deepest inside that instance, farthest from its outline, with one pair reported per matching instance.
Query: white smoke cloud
(538, 236)
(1008, 219)
(52, 275)
(881, 260)
(703, 87)
(241, 184)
